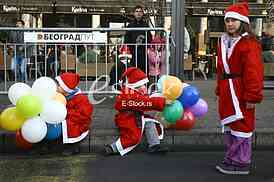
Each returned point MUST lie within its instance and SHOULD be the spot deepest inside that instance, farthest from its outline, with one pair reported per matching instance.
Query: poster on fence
(64, 37)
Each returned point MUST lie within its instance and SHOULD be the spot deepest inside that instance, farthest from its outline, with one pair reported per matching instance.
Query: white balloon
(18, 90)
(53, 112)
(44, 87)
(34, 130)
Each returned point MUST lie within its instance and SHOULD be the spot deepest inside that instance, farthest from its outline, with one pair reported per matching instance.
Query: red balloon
(21, 142)
(187, 122)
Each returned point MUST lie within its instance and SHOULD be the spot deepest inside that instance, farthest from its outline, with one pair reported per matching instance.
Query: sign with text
(65, 37)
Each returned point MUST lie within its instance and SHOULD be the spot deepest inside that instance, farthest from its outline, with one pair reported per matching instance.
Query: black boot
(157, 149)
(107, 151)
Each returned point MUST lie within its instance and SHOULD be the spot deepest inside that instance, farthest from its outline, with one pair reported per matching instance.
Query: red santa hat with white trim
(134, 77)
(238, 11)
(68, 81)
(124, 52)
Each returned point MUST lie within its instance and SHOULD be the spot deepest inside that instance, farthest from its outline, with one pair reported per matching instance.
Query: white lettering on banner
(213, 12)
(63, 37)
(78, 10)
(10, 8)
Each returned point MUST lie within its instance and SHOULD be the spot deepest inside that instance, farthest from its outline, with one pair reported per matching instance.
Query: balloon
(160, 83)
(189, 96)
(200, 108)
(34, 130)
(17, 90)
(53, 112)
(185, 85)
(54, 131)
(29, 106)
(172, 87)
(44, 87)
(21, 142)
(11, 120)
(173, 112)
(187, 122)
(60, 98)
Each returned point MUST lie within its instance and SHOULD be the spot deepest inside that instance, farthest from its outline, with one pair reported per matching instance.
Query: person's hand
(250, 105)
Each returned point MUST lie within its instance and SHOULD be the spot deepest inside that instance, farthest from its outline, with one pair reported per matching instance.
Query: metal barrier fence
(91, 52)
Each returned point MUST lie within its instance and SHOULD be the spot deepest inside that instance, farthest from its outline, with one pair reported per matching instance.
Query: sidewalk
(206, 134)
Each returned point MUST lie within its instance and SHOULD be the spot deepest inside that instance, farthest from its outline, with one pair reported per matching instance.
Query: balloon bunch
(186, 104)
(37, 113)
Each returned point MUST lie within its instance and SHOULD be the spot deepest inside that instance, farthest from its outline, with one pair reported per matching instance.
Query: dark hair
(138, 7)
(244, 27)
(21, 21)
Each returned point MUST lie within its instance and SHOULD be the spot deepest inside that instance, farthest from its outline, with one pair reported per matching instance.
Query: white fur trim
(241, 134)
(231, 119)
(138, 84)
(235, 15)
(125, 55)
(63, 85)
(66, 139)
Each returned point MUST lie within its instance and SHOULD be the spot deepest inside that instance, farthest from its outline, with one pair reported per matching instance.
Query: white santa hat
(124, 52)
(134, 77)
(68, 81)
(238, 11)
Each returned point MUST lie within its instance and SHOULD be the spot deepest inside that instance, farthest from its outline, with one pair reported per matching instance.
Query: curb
(194, 140)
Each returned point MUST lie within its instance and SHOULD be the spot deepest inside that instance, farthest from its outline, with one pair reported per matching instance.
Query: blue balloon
(160, 83)
(189, 96)
(54, 131)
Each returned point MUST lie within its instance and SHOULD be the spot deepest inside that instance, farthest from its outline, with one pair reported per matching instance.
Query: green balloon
(29, 106)
(173, 112)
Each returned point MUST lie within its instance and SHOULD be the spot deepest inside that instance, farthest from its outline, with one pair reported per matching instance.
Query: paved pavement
(173, 167)
(207, 131)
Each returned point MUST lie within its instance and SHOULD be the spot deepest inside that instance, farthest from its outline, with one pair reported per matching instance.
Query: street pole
(178, 31)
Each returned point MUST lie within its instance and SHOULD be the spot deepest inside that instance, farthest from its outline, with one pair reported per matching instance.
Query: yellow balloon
(172, 87)
(60, 98)
(11, 120)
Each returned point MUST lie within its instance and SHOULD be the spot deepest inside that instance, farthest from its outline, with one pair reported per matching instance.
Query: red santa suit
(239, 80)
(131, 106)
(79, 110)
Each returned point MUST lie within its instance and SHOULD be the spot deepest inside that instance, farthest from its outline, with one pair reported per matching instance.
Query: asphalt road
(141, 167)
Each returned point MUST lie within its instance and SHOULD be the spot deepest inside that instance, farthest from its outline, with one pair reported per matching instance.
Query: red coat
(78, 120)
(245, 62)
(127, 119)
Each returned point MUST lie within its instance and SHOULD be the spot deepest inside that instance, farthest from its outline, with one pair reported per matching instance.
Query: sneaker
(232, 169)
(157, 149)
(107, 151)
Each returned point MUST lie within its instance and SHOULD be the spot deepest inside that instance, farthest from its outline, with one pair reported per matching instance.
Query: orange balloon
(60, 98)
(172, 87)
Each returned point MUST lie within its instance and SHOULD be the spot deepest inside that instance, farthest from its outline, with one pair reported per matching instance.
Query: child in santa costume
(239, 88)
(130, 119)
(119, 68)
(79, 110)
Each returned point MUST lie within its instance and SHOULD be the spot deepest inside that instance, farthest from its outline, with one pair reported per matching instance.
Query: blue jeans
(18, 66)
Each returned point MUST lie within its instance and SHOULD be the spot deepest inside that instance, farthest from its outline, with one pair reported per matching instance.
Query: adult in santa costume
(79, 110)
(239, 88)
(131, 104)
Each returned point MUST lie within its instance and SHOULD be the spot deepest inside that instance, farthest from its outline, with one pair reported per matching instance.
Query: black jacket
(138, 38)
